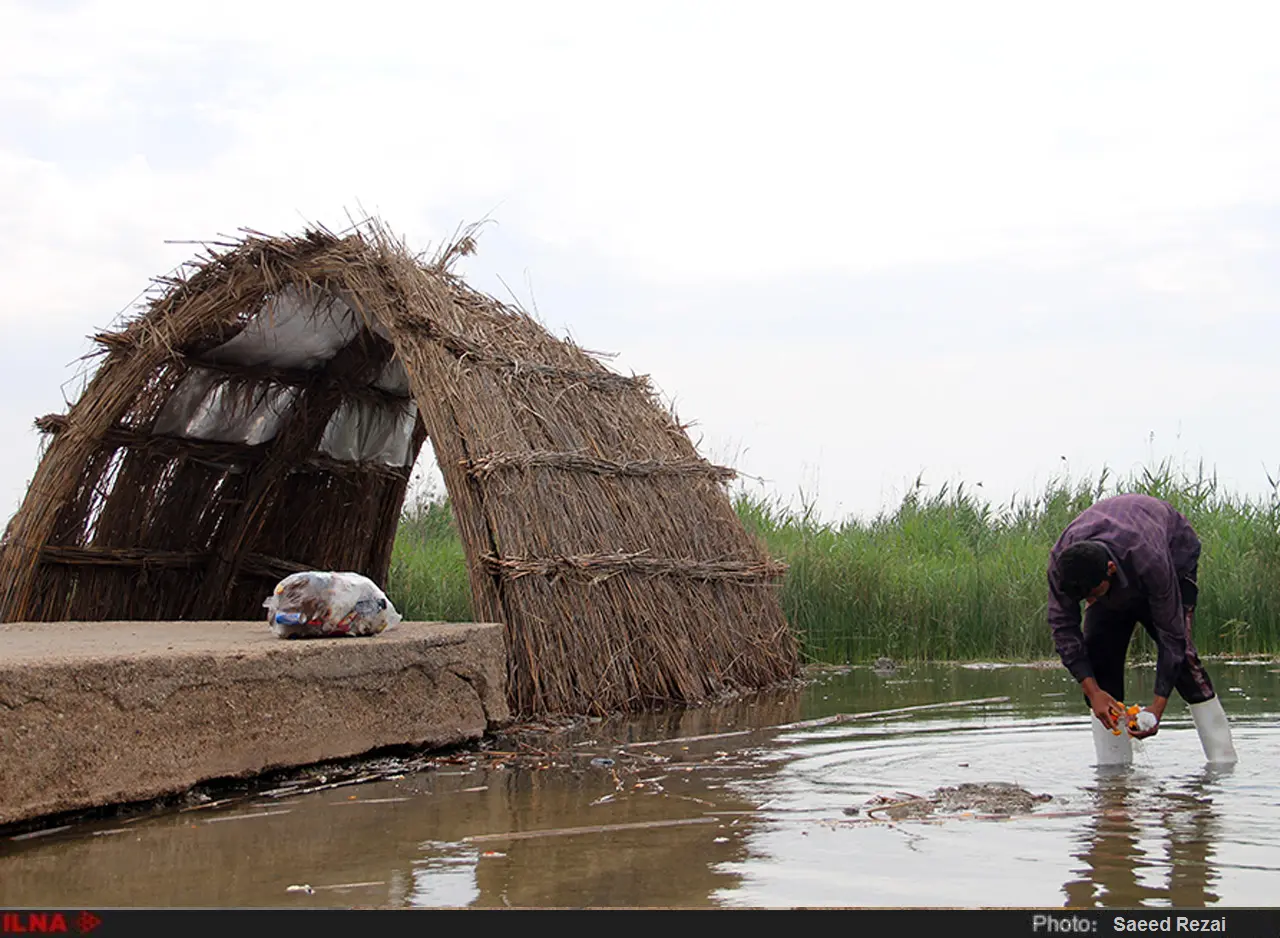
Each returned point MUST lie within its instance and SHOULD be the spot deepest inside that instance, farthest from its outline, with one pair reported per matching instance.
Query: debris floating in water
(987, 800)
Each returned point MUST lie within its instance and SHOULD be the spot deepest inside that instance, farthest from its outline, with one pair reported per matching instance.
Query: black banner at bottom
(109, 923)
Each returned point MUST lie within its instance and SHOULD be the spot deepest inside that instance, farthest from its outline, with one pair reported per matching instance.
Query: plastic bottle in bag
(317, 604)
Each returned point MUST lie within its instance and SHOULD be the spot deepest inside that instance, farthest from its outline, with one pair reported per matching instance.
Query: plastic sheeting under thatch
(262, 413)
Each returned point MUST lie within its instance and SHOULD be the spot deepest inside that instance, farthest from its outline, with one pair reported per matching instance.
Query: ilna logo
(45, 923)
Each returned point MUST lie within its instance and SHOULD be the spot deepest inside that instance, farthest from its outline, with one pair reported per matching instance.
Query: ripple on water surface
(773, 801)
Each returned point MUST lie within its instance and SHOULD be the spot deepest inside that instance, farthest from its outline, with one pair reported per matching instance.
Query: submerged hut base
(101, 713)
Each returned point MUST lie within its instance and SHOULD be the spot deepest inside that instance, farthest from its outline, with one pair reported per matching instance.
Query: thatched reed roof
(261, 415)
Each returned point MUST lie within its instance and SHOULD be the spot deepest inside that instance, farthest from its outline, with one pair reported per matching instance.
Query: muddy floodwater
(983, 802)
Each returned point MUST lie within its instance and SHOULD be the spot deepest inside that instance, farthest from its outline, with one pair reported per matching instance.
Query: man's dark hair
(1082, 567)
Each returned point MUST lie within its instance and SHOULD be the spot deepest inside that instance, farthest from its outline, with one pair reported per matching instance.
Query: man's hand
(1157, 710)
(1106, 708)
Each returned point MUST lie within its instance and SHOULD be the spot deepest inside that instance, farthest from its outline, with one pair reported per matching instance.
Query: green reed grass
(428, 577)
(944, 576)
(947, 576)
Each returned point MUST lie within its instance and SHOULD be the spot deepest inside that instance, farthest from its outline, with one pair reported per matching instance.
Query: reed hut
(261, 412)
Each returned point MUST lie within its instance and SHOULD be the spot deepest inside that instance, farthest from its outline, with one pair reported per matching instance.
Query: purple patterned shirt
(1153, 547)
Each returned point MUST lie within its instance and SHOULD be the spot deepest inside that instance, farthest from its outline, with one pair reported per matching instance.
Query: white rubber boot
(1110, 748)
(1215, 733)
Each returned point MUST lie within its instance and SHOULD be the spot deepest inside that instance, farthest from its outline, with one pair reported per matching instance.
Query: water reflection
(447, 878)
(660, 839)
(1135, 833)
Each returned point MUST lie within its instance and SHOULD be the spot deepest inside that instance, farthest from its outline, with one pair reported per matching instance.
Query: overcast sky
(853, 242)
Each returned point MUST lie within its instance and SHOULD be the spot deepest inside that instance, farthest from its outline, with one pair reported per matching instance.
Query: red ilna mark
(35, 923)
(87, 922)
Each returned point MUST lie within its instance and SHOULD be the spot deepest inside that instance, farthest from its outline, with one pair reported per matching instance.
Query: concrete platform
(98, 713)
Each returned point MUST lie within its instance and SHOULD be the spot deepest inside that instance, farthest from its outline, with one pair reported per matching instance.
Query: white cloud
(692, 141)
(701, 161)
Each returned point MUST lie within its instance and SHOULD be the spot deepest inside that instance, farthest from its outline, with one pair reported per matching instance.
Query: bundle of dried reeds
(592, 527)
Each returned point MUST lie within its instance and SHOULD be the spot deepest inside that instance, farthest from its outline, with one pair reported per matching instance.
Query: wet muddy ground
(921, 786)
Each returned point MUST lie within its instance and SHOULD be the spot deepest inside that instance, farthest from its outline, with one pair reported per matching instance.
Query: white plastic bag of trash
(317, 604)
